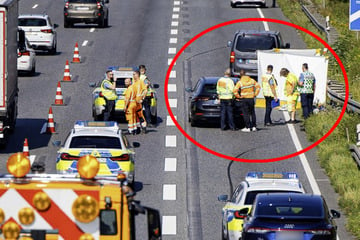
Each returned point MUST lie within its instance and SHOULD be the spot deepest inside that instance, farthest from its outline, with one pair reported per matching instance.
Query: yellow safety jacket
(246, 88)
(266, 87)
(225, 87)
(291, 85)
(109, 94)
(145, 79)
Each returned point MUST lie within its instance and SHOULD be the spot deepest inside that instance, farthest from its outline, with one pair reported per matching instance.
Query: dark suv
(243, 53)
(86, 11)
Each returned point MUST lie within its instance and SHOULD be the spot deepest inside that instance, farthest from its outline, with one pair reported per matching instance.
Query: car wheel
(106, 22)
(192, 122)
(223, 237)
(67, 24)
(53, 50)
(33, 70)
(232, 4)
(101, 23)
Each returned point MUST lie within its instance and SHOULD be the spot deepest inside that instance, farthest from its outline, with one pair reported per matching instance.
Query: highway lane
(136, 36)
(208, 56)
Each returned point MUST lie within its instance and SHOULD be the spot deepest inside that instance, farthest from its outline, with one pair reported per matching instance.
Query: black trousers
(307, 104)
(110, 105)
(268, 109)
(248, 109)
(146, 106)
(226, 107)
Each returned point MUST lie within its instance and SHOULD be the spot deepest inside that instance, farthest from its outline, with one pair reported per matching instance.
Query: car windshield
(31, 22)
(303, 210)
(95, 142)
(83, 1)
(251, 43)
(250, 196)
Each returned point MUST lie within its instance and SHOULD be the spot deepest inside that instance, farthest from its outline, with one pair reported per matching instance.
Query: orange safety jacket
(246, 87)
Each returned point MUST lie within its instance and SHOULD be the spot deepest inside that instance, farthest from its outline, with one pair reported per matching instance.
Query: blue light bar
(272, 175)
(83, 124)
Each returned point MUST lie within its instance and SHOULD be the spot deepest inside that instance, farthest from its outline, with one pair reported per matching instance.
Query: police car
(290, 216)
(245, 193)
(103, 140)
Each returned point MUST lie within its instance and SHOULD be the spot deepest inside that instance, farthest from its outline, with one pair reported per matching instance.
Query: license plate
(289, 235)
(82, 8)
(101, 160)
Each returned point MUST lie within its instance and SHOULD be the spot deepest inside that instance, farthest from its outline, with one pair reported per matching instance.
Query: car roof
(33, 16)
(275, 185)
(246, 31)
(96, 128)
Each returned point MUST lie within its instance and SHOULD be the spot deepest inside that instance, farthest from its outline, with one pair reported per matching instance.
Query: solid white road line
(171, 87)
(170, 165)
(173, 103)
(169, 192)
(266, 25)
(84, 43)
(169, 225)
(170, 141)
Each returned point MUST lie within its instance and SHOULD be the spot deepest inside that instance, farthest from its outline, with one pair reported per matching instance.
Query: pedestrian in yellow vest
(108, 89)
(246, 89)
(269, 87)
(130, 106)
(224, 89)
(147, 99)
(291, 92)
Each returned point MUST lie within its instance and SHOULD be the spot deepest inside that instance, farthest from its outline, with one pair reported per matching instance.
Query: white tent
(292, 59)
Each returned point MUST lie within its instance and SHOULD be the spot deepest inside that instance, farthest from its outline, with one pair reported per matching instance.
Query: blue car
(290, 216)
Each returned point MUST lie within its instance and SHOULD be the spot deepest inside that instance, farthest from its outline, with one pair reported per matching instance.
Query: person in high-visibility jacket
(108, 89)
(291, 92)
(147, 99)
(307, 89)
(269, 87)
(140, 89)
(224, 89)
(246, 89)
(130, 106)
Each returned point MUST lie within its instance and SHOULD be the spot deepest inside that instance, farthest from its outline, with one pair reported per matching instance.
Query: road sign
(354, 15)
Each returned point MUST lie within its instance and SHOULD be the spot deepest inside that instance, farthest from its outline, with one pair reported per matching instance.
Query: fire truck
(72, 207)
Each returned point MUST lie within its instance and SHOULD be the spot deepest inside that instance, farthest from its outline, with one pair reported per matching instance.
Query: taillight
(26, 53)
(124, 157)
(66, 156)
(98, 5)
(19, 54)
(46, 30)
(67, 5)
(238, 215)
(232, 57)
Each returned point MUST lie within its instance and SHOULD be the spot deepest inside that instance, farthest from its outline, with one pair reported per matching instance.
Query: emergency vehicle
(244, 196)
(82, 207)
(103, 140)
(120, 74)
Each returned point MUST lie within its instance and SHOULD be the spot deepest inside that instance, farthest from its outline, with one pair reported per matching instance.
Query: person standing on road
(307, 90)
(139, 88)
(130, 106)
(224, 89)
(108, 89)
(147, 99)
(291, 92)
(269, 87)
(247, 89)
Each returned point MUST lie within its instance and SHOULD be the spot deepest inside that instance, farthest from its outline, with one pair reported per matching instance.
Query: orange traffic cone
(50, 124)
(76, 58)
(59, 97)
(67, 76)
(26, 148)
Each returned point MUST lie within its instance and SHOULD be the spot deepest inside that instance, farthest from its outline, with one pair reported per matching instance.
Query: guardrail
(335, 90)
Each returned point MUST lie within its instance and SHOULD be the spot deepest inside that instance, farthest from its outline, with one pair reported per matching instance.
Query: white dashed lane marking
(171, 87)
(174, 31)
(176, 9)
(174, 24)
(169, 192)
(172, 51)
(170, 141)
(84, 43)
(170, 164)
(35, 6)
(92, 30)
(170, 60)
(172, 74)
(176, 2)
(173, 40)
(169, 225)
(169, 121)
(173, 103)
(175, 16)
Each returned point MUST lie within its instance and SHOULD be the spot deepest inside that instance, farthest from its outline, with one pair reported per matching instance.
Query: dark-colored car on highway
(86, 11)
(243, 53)
(290, 216)
(203, 105)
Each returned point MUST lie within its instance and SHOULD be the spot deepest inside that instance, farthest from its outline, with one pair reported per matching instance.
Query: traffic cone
(67, 76)
(50, 124)
(59, 97)
(26, 148)
(76, 58)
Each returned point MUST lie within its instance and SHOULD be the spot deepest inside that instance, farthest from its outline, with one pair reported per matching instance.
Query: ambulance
(71, 207)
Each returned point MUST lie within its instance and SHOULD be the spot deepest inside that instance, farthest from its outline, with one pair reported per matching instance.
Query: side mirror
(229, 43)
(56, 25)
(189, 90)
(92, 84)
(56, 143)
(155, 85)
(335, 214)
(136, 144)
(287, 45)
(223, 198)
